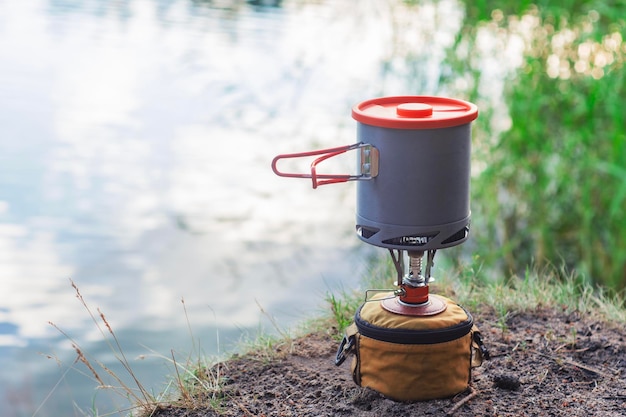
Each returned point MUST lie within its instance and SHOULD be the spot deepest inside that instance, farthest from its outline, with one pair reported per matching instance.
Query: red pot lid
(415, 112)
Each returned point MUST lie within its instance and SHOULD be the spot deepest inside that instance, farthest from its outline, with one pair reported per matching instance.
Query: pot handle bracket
(367, 164)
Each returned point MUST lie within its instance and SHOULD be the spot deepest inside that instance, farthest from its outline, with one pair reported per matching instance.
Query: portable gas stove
(413, 174)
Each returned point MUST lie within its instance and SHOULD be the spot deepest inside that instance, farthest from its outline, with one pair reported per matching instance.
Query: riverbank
(545, 362)
(557, 348)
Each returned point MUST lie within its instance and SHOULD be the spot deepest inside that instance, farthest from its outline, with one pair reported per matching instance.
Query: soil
(547, 362)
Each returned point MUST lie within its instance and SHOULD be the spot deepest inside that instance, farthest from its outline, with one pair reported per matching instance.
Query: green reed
(552, 188)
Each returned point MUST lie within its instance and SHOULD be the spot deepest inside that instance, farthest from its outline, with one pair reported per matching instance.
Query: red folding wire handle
(318, 179)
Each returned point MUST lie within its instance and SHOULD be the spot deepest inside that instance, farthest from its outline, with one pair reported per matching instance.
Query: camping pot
(413, 171)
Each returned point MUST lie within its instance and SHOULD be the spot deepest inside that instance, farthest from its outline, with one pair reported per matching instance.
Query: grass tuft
(539, 287)
(143, 401)
(196, 383)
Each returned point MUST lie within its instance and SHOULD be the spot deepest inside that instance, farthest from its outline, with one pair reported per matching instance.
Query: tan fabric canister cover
(408, 358)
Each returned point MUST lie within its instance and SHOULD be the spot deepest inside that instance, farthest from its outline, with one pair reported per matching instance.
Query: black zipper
(414, 337)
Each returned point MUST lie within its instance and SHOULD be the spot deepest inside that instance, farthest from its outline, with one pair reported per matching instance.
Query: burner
(434, 305)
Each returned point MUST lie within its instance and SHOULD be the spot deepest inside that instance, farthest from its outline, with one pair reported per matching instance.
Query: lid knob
(414, 110)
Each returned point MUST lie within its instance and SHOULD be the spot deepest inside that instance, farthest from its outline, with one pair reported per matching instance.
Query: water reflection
(136, 141)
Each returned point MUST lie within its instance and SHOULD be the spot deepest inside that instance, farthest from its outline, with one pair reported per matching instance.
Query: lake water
(135, 145)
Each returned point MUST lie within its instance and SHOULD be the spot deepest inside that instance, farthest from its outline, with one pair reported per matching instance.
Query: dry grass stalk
(142, 399)
(198, 385)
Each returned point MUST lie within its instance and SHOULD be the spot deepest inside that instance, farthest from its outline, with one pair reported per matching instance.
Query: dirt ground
(543, 363)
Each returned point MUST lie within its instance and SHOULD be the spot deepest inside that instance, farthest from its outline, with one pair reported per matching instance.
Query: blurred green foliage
(551, 188)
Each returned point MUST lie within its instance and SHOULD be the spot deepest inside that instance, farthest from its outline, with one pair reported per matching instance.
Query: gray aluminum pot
(413, 171)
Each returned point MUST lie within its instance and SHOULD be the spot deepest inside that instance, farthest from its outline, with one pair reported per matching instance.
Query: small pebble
(507, 382)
